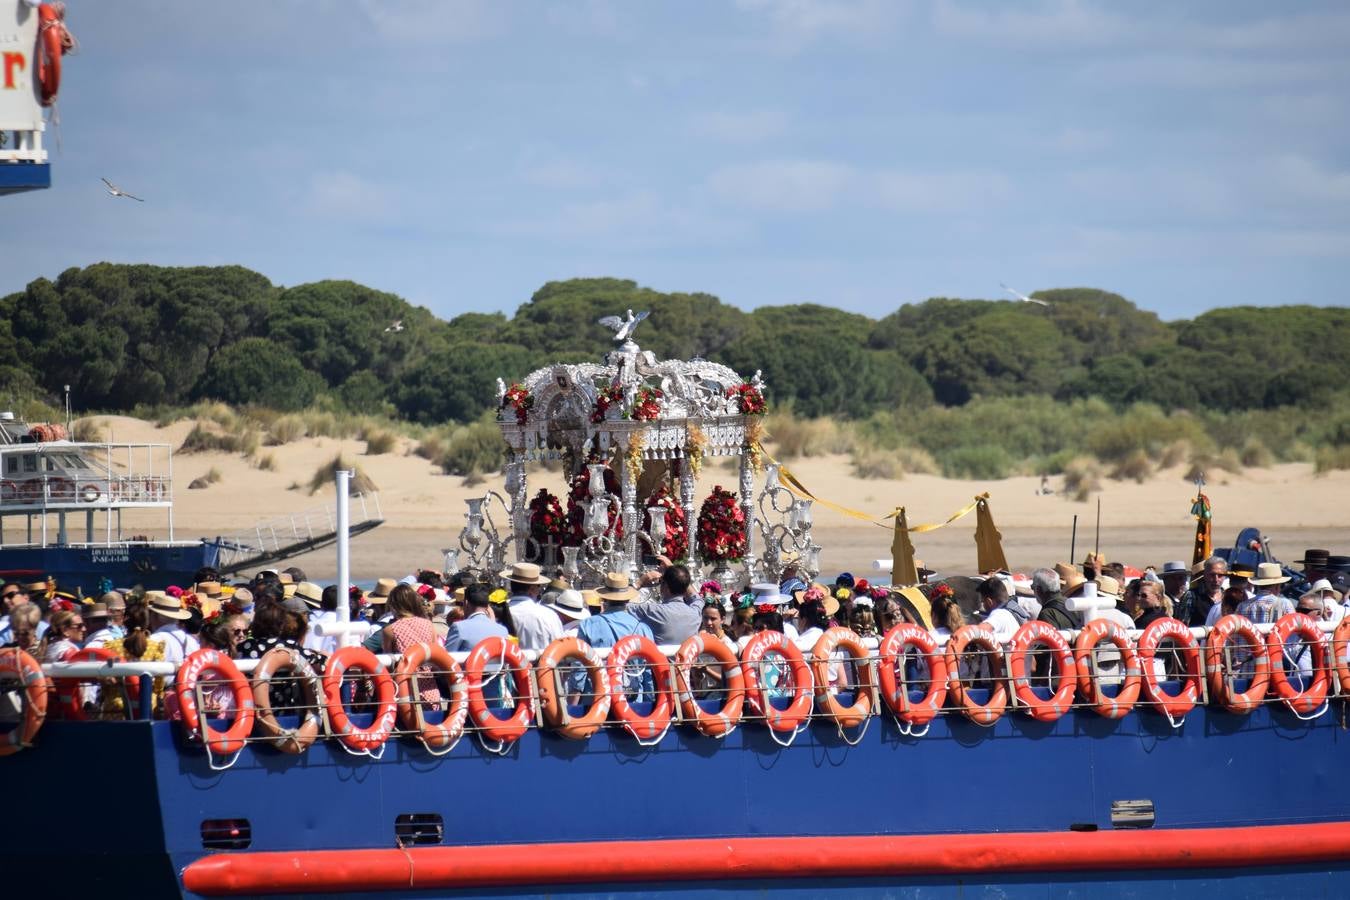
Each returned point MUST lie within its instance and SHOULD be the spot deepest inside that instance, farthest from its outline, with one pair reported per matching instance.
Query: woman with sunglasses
(65, 636)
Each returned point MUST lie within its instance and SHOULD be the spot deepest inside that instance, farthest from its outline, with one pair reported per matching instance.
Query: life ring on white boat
(1084, 647)
(1174, 706)
(847, 640)
(288, 740)
(90, 493)
(966, 637)
(724, 721)
(649, 727)
(54, 41)
(198, 663)
(757, 692)
(505, 653)
(434, 737)
(16, 664)
(60, 489)
(1220, 687)
(893, 652)
(359, 740)
(553, 697)
(1313, 695)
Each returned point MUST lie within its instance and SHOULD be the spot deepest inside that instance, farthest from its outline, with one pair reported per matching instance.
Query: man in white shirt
(536, 625)
(96, 623)
(167, 615)
(1002, 612)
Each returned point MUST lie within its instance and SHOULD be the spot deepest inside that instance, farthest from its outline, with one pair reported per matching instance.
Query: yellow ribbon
(794, 484)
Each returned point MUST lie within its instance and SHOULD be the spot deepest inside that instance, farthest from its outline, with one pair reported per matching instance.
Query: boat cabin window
(30, 462)
(51, 463)
(12, 465)
(74, 461)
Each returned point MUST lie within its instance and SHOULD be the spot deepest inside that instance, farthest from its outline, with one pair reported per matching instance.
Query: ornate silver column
(690, 513)
(628, 494)
(517, 490)
(748, 508)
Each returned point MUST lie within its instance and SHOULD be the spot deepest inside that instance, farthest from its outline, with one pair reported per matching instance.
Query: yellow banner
(794, 484)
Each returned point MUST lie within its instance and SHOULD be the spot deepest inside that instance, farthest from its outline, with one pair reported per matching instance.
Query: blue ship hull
(1217, 771)
(153, 566)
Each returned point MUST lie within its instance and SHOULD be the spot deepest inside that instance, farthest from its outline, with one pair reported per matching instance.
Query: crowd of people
(282, 608)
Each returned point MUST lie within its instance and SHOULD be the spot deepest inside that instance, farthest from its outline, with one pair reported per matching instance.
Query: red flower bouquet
(721, 527)
(647, 404)
(608, 397)
(519, 399)
(749, 399)
(548, 522)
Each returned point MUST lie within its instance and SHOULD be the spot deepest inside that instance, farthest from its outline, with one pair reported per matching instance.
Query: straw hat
(570, 603)
(209, 589)
(767, 594)
(1268, 573)
(1108, 587)
(1175, 567)
(592, 599)
(169, 607)
(1070, 579)
(524, 573)
(617, 588)
(100, 610)
(309, 592)
(113, 601)
(383, 587)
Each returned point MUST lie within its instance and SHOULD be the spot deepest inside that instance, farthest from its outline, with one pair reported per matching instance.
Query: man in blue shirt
(479, 624)
(615, 622)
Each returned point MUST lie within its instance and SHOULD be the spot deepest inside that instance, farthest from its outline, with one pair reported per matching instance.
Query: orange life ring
(503, 650)
(1174, 706)
(90, 493)
(834, 639)
(1340, 654)
(650, 727)
(68, 703)
(1312, 696)
(968, 636)
(1061, 701)
(53, 42)
(435, 737)
(724, 721)
(189, 673)
(358, 740)
(8, 491)
(1094, 633)
(553, 696)
(17, 665)
(894, 690)
(288, 740)
(1219, 686)
(756, 694)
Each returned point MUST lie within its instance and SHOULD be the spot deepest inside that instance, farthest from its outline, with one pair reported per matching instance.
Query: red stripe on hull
(785, 857)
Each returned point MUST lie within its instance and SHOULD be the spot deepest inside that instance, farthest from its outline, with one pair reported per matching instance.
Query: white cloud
(434, 21)
(941, 192)
(798, 22)
(1066, 24)
(346, 195)
(799, 185)
(562, 174)
(745, 127)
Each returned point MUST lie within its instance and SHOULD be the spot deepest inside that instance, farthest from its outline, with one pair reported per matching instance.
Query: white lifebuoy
(90, 493)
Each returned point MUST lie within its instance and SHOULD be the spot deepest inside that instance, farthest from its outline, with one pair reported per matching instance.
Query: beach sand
(1141, 523)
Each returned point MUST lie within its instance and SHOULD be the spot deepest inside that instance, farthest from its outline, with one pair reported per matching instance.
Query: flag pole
(1073, 539)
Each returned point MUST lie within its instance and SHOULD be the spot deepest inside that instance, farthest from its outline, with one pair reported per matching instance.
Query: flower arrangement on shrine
(721, 527)
(578, 497)
(520, 400)
(548, 522)
(749, 399)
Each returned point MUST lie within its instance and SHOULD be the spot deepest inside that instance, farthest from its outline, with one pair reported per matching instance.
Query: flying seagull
(1023, 297)
(623, 330)
(118, 192)
(396, 326)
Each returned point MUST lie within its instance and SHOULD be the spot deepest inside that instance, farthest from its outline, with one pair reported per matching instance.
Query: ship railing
(94, 492)
(281, 535)
(498, 682)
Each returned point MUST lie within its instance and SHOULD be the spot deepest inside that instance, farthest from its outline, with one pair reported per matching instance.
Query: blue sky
(858, 154)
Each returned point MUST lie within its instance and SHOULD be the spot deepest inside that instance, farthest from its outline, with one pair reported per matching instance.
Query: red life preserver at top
(18, 665)
(1220, 685)
(891, 674)
(358, 740)
(54, 41)
(1315, 693)
(68, 702)
(757, 693)
(649, 728)
(1093, 633)
(1174, 706)
(1029, 635)
(189, 673)
(502, 653)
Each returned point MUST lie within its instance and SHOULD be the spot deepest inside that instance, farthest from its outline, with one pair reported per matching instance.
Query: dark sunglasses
(1310, 612)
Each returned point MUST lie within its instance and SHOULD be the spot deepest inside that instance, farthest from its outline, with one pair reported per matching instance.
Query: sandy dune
(424, 509)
